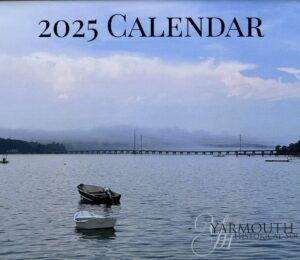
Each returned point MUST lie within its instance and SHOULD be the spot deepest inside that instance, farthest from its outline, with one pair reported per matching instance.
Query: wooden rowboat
(98, 194)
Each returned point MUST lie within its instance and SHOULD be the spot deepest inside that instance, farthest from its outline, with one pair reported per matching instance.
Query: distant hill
(19, 146)
(121, 137)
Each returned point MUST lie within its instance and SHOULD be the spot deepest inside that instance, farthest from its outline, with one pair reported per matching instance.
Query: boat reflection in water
(98, 234)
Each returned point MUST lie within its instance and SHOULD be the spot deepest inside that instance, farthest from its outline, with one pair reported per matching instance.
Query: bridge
(171, 152)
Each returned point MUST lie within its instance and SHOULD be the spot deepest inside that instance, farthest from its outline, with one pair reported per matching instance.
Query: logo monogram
(208, 240)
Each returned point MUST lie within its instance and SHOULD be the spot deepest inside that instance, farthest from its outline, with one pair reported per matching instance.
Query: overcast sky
(234, 85)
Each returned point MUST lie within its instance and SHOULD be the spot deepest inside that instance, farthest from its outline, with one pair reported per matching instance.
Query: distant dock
(216, 153)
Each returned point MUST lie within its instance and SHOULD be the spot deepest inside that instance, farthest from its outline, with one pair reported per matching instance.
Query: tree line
(19, 146)
(292, 149)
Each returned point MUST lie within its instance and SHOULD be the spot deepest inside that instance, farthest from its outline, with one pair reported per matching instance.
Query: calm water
(161, 199)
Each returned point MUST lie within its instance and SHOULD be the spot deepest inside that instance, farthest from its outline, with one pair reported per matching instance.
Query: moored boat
(4, 160)
(98, 194)
(89, 220)
(219, 155)
(278, 160)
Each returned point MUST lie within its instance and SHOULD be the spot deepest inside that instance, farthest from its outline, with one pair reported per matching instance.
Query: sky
(220, 85)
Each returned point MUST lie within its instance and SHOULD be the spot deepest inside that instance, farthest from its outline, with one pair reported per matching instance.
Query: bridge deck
(170, 152)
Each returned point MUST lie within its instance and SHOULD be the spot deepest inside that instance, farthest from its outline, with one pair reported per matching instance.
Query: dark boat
(98, 194)
(4, 160)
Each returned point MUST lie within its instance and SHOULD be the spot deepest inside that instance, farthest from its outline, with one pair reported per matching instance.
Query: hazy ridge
(121, 137)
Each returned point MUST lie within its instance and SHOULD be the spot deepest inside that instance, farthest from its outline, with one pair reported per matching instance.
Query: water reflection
(99, 234)
(84, 202)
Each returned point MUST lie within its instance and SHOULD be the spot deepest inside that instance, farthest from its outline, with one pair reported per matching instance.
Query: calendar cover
(150, 129)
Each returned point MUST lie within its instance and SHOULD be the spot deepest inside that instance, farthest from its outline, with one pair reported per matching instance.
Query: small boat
(280, 160)
(4, 160)
(98, 194)
(89, 220)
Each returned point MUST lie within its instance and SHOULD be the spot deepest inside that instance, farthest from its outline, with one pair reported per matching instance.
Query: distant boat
(294, 158)
(4, 160)
(98, 194)
(279, 160)
(89, 220)
(219, 155)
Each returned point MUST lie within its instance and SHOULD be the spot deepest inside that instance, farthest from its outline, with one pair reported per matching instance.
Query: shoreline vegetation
(11, 146)
(292, 149)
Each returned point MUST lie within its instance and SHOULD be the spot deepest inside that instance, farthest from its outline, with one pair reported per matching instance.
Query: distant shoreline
(12, 146)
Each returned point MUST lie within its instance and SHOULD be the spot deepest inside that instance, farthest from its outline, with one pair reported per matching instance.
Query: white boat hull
(87, 220)
(96, 223)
